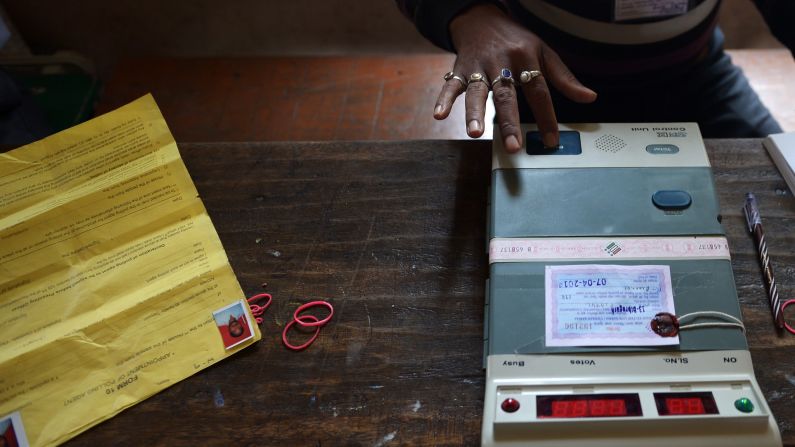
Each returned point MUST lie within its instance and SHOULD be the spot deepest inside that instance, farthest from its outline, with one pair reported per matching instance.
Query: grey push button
(671, 200)
(662, 149)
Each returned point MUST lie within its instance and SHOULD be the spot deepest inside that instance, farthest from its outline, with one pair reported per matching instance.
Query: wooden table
(374, 97)
(393, 233)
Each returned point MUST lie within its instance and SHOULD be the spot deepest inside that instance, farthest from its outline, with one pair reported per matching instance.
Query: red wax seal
(665, 324)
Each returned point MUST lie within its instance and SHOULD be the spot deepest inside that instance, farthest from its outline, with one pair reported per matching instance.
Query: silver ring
(478, 77)
(505, 75)
(450, 75)
(527, 76)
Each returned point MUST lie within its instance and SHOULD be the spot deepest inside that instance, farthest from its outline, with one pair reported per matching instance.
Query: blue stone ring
(505, 75)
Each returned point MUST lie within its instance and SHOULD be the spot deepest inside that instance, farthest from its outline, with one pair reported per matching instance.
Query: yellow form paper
(110, 270)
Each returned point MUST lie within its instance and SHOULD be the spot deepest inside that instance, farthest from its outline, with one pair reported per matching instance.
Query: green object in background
(66, 99)
(62, 85)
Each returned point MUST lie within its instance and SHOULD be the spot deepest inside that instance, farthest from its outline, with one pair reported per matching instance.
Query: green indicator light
(744, 404)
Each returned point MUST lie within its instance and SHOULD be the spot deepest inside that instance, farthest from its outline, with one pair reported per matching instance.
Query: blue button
(671, 200)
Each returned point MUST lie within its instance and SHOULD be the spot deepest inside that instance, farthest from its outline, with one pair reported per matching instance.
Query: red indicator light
(510, 405)
(591, 406)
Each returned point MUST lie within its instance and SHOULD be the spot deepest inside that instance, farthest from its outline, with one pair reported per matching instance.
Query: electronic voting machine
(612, 316)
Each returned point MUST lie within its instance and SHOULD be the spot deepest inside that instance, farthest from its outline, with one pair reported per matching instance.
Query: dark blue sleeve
(21, 119)
(780, 17)
(432, 17)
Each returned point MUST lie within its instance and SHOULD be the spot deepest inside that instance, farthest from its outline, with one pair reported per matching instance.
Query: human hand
(487, 41)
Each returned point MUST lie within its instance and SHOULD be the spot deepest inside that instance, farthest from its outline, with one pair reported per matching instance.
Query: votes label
(606, 305)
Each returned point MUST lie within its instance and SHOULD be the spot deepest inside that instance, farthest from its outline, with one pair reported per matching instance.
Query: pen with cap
(755, 227)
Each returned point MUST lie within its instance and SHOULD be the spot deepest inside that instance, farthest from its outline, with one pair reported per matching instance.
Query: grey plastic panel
(516, 306)
(600, 202)
(486, 324)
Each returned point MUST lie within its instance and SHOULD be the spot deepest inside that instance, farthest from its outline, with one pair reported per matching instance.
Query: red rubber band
(316, 322)
(789, 328)
(305, 345)
(259, 310)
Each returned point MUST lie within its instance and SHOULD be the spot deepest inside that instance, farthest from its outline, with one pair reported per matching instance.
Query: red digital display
(588, 406)
(683, 404)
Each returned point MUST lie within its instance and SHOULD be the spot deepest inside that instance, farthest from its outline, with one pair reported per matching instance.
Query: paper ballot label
(606, 305)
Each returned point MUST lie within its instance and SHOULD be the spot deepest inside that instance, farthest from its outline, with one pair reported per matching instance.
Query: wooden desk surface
(376, 97)
(393, 233)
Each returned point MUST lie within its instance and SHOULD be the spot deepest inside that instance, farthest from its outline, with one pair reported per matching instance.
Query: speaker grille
(610, 143)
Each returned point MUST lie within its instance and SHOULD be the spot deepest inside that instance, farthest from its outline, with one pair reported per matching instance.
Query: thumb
(559, 75)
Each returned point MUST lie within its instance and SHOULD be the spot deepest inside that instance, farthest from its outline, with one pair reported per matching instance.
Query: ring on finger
(451, 75)
(478, 77)
(504, 76)
(527, 76)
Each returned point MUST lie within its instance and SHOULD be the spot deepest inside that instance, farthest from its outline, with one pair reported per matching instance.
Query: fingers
(476, 97)
(563, 79)
(538, 98)
(453, 86)
(536, 92)
(477, 93)
(507, 114)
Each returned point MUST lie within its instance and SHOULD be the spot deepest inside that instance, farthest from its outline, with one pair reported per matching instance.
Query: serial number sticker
(606, 305)
(598, 249)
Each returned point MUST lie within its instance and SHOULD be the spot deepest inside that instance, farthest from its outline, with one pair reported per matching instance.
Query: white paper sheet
(606, 305)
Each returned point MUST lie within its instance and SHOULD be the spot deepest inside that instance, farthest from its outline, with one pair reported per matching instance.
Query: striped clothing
(608, 37)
